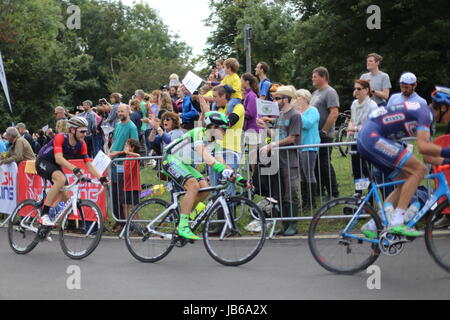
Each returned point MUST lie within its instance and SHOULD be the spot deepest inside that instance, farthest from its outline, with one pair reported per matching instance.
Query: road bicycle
(151, 234)
(338, 245)
(80, 230)
(341, 133)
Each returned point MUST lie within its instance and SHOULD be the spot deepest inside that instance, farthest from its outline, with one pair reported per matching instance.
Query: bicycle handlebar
(85, 180)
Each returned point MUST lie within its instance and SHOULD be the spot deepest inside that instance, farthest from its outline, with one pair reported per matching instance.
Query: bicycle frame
(72, 202)
(443, 190)
(219, 199)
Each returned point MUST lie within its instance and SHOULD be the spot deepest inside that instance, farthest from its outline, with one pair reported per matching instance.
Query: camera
(102, 101)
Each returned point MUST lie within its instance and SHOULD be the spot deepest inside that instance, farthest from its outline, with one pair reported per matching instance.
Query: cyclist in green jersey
(178, 158)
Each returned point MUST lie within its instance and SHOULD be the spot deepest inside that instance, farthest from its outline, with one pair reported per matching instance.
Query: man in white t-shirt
(380, 82)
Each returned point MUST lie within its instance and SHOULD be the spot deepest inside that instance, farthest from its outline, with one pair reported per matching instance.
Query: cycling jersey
(399, 119)
(180, 156)
(60, 144)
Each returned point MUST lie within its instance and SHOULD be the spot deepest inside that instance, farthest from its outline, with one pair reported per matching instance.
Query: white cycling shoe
(46, 221)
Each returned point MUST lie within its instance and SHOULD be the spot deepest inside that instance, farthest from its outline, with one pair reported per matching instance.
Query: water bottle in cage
(157, 190)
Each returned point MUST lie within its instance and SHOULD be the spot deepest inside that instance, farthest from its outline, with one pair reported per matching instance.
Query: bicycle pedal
(191, 241)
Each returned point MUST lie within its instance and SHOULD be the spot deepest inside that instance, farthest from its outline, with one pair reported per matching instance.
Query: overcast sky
(183, 17)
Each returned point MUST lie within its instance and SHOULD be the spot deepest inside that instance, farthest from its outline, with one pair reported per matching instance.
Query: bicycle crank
(43, 232)
(391, 244)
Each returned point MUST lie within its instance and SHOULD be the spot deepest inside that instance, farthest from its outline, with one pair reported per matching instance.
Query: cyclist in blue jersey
(406, 115)
(55, 155)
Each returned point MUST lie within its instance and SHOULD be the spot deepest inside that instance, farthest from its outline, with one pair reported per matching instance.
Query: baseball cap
(21, 126)
(408, 78)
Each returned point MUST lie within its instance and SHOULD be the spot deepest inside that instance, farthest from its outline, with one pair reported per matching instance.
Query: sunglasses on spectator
(359, 89)
(82, 131)
(279, 98)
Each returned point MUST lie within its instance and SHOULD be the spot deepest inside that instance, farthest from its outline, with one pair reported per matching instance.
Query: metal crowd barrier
(283, 195)
(123, 199)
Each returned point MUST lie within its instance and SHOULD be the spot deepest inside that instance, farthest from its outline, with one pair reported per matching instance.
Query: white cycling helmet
(77, 122)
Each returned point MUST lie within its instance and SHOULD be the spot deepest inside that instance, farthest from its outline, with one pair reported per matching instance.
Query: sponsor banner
(8, 188)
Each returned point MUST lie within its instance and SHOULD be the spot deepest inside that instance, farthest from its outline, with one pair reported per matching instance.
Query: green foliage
(296, 36)
(147, 74)
(48, 65)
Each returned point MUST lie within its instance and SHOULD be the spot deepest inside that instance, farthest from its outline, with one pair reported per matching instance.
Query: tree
(270, 22)
(36, 64)
(48, 65)
(147, 74)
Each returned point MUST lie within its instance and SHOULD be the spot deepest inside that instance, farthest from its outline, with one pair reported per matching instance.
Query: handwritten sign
(192, 81)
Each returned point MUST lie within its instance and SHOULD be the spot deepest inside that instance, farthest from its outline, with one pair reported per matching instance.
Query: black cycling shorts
(46, 168)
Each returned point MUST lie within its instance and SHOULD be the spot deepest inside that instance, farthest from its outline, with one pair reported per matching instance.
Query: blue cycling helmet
(441, 97)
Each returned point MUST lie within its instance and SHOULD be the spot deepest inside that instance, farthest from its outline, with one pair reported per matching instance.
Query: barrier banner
(31, 185)
(8, 188)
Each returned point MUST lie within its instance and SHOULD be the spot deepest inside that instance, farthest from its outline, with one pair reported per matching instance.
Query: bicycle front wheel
(335, 251)
(437, 237)
(149, 232)
(80, 235)
(228, 242)
(23, 227)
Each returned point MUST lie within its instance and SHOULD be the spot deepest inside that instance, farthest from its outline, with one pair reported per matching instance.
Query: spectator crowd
(149, 121)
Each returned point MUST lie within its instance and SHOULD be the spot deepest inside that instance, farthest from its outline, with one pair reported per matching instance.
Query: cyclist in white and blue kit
(406, 115)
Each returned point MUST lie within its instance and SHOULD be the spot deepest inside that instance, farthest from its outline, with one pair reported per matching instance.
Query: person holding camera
(189, 113)
(113, 118)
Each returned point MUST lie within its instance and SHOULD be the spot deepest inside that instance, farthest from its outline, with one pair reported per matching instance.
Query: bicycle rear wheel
(80, 237)
(234, 246)
(23, 227)
(437, 240)
(150, 245)
(334, 251)
(342, 137)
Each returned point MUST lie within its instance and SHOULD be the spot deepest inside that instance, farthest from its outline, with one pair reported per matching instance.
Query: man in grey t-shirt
(287, 132)
(326, 100)
(380, 83)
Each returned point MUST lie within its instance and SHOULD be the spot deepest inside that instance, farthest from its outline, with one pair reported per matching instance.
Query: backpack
(99, 122)
(269, 95)
(273, 87)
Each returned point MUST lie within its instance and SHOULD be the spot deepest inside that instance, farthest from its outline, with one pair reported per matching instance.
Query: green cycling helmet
(216, 118)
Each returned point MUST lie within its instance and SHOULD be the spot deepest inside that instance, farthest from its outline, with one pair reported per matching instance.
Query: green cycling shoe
(403, 230)
(186, 232)
(370, 234)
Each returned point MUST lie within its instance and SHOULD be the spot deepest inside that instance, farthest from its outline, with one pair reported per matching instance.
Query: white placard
(101, 162)
(267, 108)
(8, 187)
(45, 128)
(192, 81)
